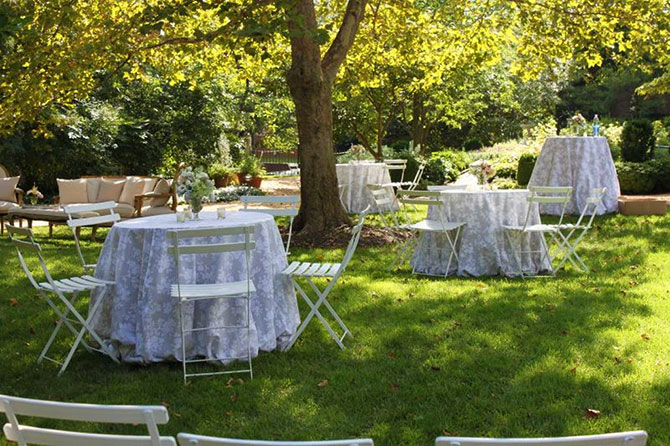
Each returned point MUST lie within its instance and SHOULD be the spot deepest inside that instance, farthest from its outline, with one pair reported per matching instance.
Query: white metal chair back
(290, 212)
(75, 222)
(353, 242)
(413, 198)
(559, 195)
(151, 416)
(397, 164)
(593, 202)
(635, 438)
(384, 202)
(24, 242)
(200, 440)
(178, 249)
(442, 187)
(417, 176)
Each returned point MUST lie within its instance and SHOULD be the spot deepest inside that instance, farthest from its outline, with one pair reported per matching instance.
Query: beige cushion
(125, 210)
(8, 189)
(148, 211)
(72, 191)
(110, 190)
(92, 188)
(7, 205)
(149, 185)
(134, 186)
(162, 187)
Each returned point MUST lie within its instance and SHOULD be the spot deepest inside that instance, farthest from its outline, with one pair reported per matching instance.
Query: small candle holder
(220, 213)
(181, 217)
(188, 214)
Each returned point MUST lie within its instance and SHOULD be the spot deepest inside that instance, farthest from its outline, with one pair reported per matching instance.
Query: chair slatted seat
(635, 438)
(201, 440)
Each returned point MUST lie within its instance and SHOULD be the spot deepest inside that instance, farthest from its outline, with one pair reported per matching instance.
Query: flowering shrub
(233, 193)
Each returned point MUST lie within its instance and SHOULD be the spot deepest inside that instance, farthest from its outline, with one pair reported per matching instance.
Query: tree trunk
(310, 80)
(320, 200)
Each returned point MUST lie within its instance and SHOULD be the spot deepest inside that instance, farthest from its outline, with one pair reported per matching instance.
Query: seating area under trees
(350, 224)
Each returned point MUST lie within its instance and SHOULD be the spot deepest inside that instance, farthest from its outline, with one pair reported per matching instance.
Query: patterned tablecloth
(483, 250)
(355, 177)
(140, 319)
(584, 163)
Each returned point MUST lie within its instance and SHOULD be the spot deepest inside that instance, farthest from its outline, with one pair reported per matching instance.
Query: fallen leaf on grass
(323, 383)
(390, 354)
(13, 302)
(165, 404)
(228, 413)
(32, 330)
(435, 368)
(395, 386)
(573, 370)
(234, 397)
(645, 336)
(591, 414)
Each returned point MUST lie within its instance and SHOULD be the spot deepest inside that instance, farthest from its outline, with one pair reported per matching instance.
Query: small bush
(233, 193)
(505, 183)
(637, 178)
(450, 164)
(525, 168)
(637, 140)
(662, 166)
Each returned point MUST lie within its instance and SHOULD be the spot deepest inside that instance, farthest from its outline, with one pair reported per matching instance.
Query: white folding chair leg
(453, 245)
(330, 308)
(288, 241)
(569, 251)
(314, 311)
(62, 320)
(402, 255)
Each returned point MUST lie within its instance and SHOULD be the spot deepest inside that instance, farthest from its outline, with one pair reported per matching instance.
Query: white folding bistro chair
(572, 234)
(289, 212)
(384, 201)
(342, 190)
(201, 440)
(397, 164)
(190, 293)
(149, 416)
(635, 438)
(434, 224)
(24, 242)
(308, 271)
(515, 233)
(408, 185)
(76, 222)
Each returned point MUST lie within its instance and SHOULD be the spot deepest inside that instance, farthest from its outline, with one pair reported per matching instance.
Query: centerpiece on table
(34, 195)
(578, 125)
(358, 151)
(483, 171)
(195, 186)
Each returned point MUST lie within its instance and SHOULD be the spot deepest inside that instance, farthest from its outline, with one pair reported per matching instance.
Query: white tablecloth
(584, 163)
(355, 177)
(483, 249)
(140, 319)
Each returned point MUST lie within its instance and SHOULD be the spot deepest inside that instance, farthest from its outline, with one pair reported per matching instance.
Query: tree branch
(337, 52)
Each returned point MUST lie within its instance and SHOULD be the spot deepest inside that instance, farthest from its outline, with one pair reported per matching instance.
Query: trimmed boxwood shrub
(525, 168)
(662, 166)
(637, 178)
(637, 140)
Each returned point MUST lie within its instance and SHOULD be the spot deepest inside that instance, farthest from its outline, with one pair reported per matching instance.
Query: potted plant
(251, 171)
(221, 174)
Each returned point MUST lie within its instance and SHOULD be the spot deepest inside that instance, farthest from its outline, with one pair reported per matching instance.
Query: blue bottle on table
(596, 126)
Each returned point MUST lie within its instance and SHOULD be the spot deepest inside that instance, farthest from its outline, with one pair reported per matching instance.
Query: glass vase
(196, 207)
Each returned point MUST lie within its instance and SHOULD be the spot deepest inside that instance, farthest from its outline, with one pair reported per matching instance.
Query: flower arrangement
(195, 186)
(578, 124)
(34, 195)
(482, 170)
(357, 150)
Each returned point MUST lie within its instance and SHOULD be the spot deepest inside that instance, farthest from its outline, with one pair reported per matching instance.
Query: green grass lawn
(476, 357)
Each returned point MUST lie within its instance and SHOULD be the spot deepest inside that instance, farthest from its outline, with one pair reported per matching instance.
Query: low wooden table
(53, 214)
